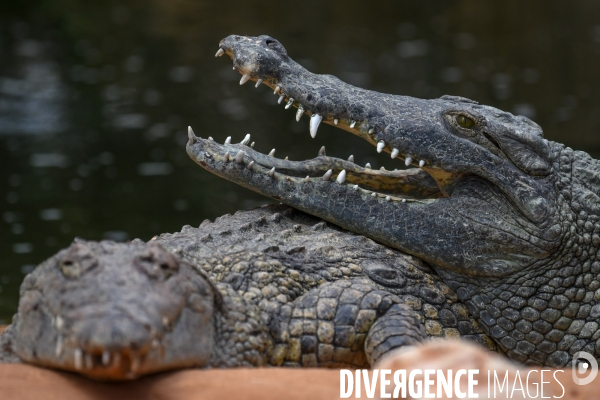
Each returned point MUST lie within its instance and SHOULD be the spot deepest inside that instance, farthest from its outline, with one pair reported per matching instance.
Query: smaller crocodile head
(115, 311)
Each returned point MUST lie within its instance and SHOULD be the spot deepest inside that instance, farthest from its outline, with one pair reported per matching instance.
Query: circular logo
(583, 362)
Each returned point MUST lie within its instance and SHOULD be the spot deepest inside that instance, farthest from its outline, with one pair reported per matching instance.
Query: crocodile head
(479, 196)
(115, 311)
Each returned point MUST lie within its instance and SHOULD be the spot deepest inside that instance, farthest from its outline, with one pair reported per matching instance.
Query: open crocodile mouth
(408, 185)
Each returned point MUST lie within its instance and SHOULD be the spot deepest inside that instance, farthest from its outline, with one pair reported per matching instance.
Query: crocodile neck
(549, 311)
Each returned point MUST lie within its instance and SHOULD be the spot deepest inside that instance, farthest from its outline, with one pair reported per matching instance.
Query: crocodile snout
(261, 58)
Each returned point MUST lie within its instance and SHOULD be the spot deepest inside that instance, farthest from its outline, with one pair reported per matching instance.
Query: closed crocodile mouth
(104, 362)
(108, 364)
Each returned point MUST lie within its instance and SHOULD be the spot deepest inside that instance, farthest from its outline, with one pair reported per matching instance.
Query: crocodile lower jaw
(398, 185)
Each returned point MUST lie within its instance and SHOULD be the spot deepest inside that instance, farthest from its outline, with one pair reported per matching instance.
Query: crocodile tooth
(105, 358)
(252, 144)
(355, 187)
(341, 177)
(250, 165)
(211, 138)
(191, 137)
(408, 161)
(246, 140)
(271, 173)
(373, 194)
(368, 165)
(395, 153)
(59, 346)
(327, 175)
(289, 103)
(299, 113)
(78, 359)
(59, 322)
(335, 121)
(239, 157)
(277, 88)
(307, 179)
(258, 82)
(380, 146)
(351, 158)
(280, 99)
(371, 131)
(135, 364)
(352, 124)
(89, 362)
(315, 120)
(387, 198)
(272, 153)
(226, 158)
(286, 158)
(382, 169)
(404, 200)
(322, 151)
(421, 163)
(245, 78)
(234, 67)
(228, 140)
(220, 52)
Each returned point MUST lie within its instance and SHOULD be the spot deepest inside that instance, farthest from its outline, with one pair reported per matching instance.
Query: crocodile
(508, 219)
(268, 287)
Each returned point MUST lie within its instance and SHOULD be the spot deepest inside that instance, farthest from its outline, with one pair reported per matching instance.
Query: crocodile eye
(76, 261)
(157, 263)
(384, 274)
(70, 269)
(465, 122)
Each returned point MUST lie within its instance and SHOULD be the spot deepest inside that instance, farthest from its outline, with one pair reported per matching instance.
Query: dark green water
(95, 98)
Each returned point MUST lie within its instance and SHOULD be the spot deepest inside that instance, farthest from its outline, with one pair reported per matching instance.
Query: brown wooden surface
(24, 382)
